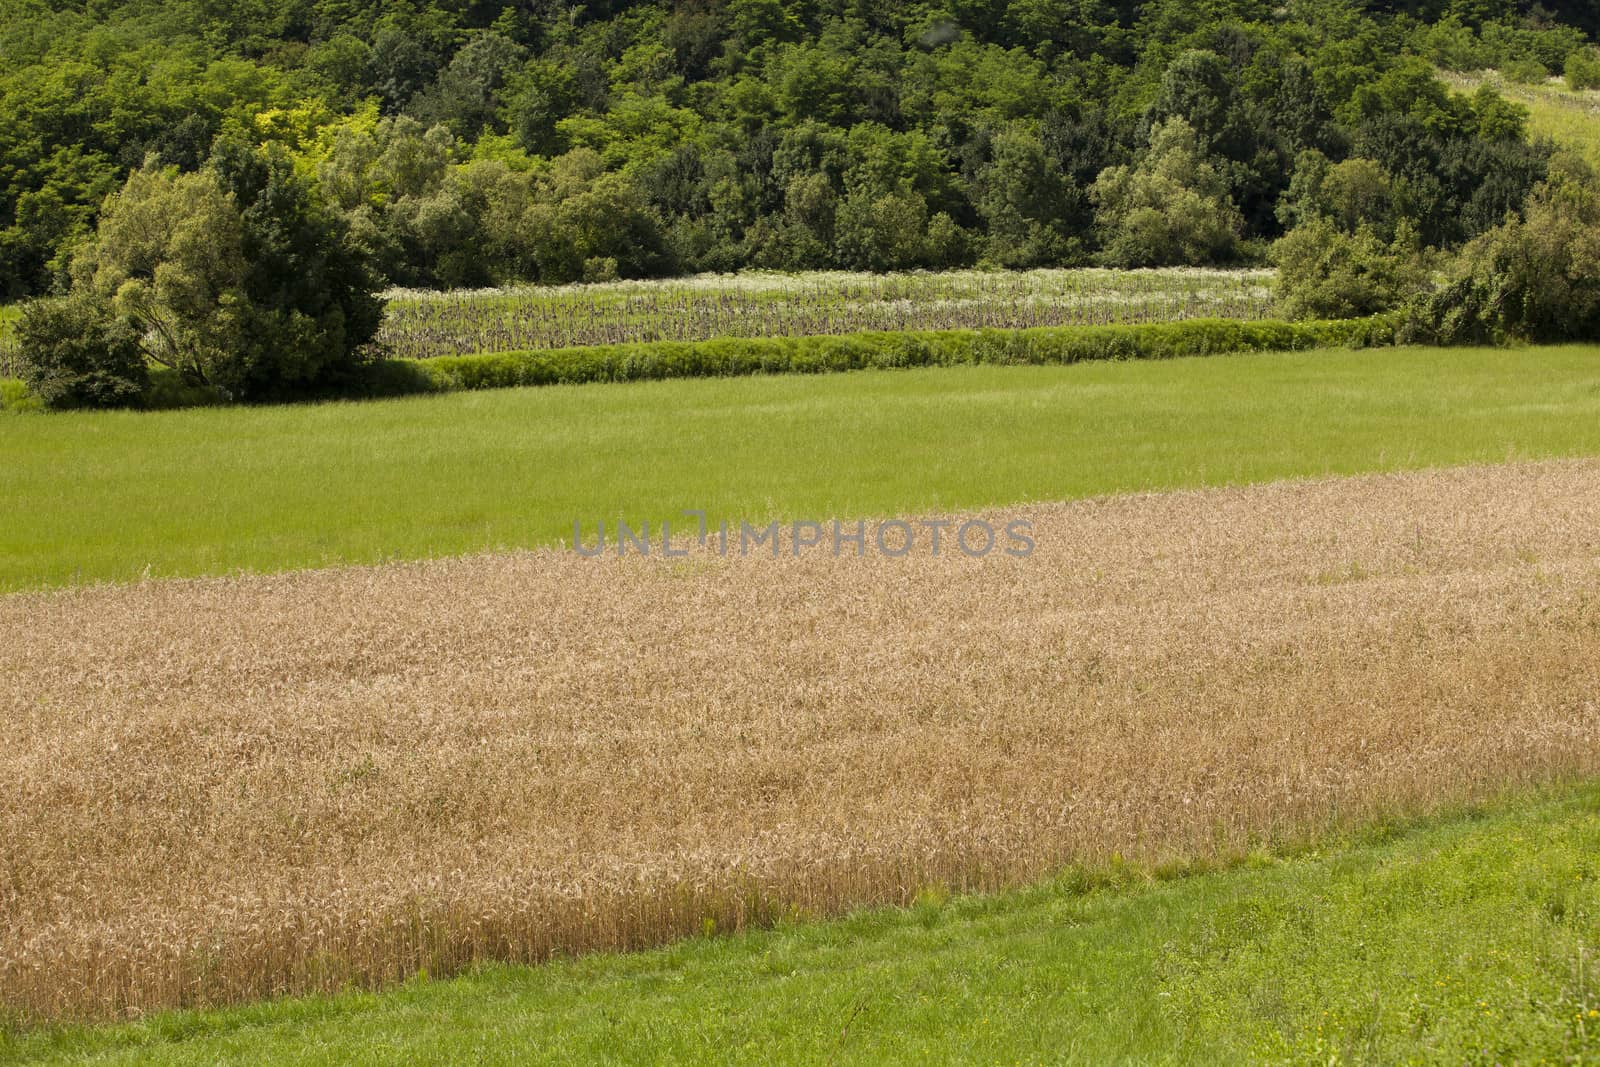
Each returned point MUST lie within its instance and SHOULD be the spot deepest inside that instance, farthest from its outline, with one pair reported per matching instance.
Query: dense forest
(231, 181)
(468, 142)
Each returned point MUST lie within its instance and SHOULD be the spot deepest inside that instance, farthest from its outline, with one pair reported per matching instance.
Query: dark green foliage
(471, 144)
(467, 97)
(1583, 69)
(1452, 184)
(811, 355)
(311, 296)
(1530, 279)
(78, 353)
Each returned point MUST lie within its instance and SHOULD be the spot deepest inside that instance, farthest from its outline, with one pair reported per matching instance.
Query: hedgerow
(726, 357)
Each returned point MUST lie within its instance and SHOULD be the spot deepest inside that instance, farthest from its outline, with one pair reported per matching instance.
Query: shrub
(1171, 208)
(947, 245)
(1526, 72)
(15, 396)
(880, 232)
(1531, 279)
(810, 355)
(76, 352)
(1583, 69)
(1325, 272)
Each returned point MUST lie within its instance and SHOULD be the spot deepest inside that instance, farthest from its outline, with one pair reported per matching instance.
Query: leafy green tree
(311, 292)
(1499, 119)
(1410, 89)
(344, 63)
(234, 276)
(1453, 186)
(1025, 201)
(695, 38)
(580, 212)
(1451, 44)
(810, 208)
(169, 257)
(1530, 279)
(401, 64)
(880, 232)
(466, 96)
(1172, 207)
(1350, 194)
(1327, 272)
(947, 243)
(537, 98)
(1197, 88)
(758, 24)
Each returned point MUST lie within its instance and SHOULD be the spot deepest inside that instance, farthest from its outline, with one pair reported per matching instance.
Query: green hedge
(726, 357)
(860, 351)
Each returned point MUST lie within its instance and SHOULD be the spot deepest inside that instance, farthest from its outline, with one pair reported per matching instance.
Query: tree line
(289, 156)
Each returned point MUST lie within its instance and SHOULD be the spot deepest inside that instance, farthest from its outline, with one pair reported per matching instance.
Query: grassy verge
(1474, 940)
(117, 495)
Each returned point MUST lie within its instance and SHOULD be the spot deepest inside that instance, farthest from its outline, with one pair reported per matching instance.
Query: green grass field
(1473, 940)
(1569, 118)
(1566, 117)
(117, 495)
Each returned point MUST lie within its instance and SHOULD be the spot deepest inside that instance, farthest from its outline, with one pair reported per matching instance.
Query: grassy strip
(733, 356)
(1476, 939)
(114, 495)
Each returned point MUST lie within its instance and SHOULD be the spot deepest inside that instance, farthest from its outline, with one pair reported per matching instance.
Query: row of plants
(419, 325)
(736, 356)
(725, 357)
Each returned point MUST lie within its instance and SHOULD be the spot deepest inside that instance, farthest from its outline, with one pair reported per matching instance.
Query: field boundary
(732, 357)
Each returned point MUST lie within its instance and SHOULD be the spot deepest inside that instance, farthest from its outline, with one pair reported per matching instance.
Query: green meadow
(120, 495)
(1569, 118)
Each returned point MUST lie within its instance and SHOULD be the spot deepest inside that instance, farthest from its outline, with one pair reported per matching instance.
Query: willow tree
(233, 276)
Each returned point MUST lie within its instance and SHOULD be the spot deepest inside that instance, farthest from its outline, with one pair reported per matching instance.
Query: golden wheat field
(223, 789)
